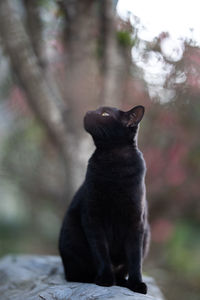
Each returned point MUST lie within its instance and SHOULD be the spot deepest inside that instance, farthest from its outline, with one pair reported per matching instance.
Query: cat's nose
(88, 112)
(93, 112)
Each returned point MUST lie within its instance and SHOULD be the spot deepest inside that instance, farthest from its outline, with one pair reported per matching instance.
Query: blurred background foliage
(86, 55)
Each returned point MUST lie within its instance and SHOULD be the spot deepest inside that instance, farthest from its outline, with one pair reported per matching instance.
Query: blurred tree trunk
(80, 38)
(35, 29)
(95, 69)
(114, 65)
(40, 96)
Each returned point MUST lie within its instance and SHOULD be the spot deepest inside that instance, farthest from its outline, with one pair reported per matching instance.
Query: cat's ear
(134, 116)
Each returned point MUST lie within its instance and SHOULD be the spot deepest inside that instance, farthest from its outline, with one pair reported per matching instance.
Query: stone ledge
(41, 277)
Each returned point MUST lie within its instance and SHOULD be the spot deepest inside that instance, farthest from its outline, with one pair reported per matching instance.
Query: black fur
(105, 233)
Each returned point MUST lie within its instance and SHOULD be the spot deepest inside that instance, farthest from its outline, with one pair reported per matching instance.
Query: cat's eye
(105, 114)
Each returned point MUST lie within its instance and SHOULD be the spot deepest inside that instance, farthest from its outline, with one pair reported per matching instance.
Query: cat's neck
(112, 161)
(116, 145)
(116, 152)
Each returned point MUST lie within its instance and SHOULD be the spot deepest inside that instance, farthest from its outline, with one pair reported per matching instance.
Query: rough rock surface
(29, 277)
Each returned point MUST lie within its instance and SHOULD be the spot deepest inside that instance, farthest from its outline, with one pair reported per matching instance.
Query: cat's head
(109, 125)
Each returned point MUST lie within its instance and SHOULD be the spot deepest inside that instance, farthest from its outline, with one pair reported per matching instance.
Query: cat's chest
(116, 210)
(116, 173)
(115, 213)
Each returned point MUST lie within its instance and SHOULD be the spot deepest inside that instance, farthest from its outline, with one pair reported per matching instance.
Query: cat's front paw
(138, 287)
(106, 278)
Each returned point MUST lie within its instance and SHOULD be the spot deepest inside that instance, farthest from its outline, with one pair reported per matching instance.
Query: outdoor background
(59, 59)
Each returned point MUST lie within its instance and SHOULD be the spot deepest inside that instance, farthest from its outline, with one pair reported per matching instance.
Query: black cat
(105, 233)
